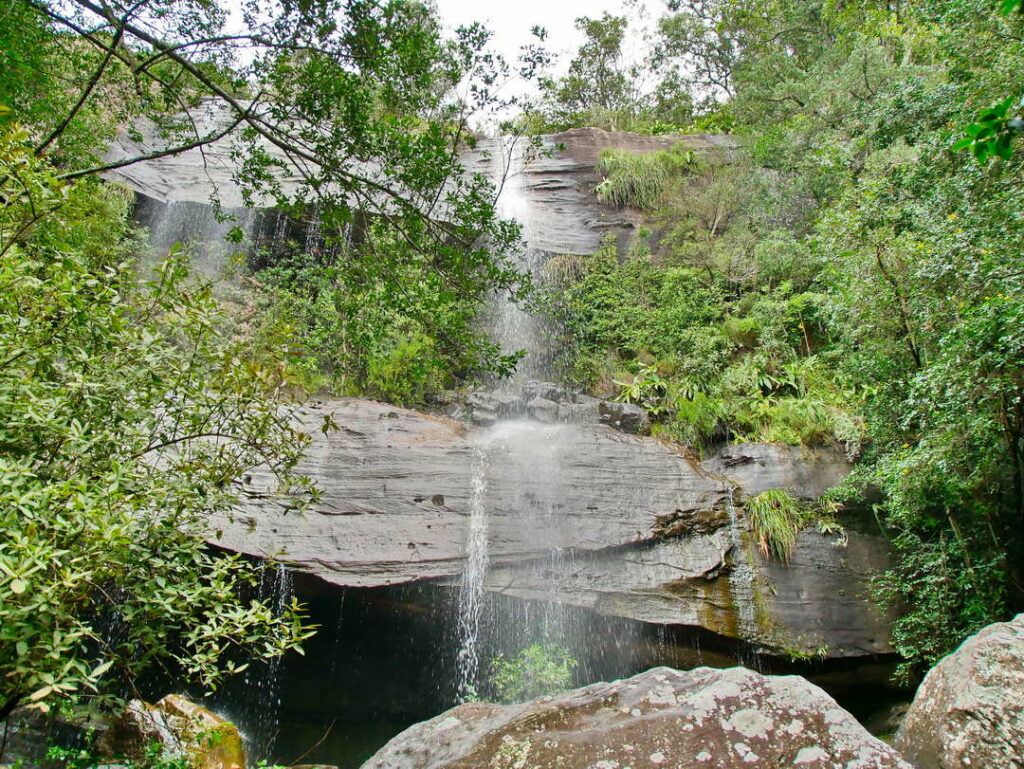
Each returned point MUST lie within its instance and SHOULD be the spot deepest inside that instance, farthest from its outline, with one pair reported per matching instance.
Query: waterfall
(260, 710)
(742, 579)
(520, 462)
(206, 235)
(513, 327)
(471, 592)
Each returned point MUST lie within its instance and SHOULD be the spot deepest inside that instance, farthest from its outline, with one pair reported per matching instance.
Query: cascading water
(471, 592)
(258, 712)
(209, 237)
(511, 325)
(521, 461)
(742, 580)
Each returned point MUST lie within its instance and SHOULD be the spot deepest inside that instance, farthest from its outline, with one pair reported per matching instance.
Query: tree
(131, 412)
(870, 276)
(364, 104)
(128, 419)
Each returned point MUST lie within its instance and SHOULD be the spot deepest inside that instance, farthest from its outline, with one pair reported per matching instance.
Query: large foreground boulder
(969, 712)
(662, 718)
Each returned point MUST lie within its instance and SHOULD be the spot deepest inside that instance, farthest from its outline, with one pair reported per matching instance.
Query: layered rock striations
(641, 529)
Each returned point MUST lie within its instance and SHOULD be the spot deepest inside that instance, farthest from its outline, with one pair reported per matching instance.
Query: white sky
(511, 20)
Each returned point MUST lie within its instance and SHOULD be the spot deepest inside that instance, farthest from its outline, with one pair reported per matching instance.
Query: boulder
(969, 711)
(543, 410)
(490, 407)
(627, 417)
(181, 728)
(660, 718)
(549, 403)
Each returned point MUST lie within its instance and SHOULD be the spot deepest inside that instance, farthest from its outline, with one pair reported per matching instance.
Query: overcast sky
(511, 20)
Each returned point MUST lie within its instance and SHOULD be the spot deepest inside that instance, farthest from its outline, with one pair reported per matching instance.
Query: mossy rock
(184, 730)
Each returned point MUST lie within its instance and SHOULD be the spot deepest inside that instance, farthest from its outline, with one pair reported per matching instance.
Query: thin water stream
(519, 463)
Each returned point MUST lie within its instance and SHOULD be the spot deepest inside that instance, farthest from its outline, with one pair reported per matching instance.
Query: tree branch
(86, 93)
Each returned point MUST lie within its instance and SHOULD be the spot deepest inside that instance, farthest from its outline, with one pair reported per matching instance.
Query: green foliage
(776, 517)
(654, 334)
(865, 278)
(325, 92)
(991, 133)
(153, 756)
(539, 669)
(128, 415)
(604, 86)
(351, 330)
(638, 180)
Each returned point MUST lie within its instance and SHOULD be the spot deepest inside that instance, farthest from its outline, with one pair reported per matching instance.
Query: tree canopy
(134, 405)
(851, 271)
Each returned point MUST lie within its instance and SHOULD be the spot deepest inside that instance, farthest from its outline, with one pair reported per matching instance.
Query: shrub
(639, 180)
(539, 669)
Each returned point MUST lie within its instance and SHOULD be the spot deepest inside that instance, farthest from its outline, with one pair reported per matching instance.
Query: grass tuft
(639, 180)
(776, 517)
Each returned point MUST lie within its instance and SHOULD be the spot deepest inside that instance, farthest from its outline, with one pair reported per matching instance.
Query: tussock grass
(776, 517)
(564, 269)
(639, 180)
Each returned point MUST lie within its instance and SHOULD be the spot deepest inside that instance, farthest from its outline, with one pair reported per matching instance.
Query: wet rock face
(640, 530)
(756, 467)
(969, 712)
(397, 487)
(660, 718)
(551, 404)
(557, 185)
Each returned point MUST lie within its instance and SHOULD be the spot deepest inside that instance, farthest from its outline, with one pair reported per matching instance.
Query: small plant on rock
(776, 517)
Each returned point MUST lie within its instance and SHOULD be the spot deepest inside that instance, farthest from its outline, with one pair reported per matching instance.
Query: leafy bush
(539, 669)
(639, 180)
(128, 413)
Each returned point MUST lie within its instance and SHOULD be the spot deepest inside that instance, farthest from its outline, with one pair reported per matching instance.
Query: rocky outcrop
(577, 513)
(551, 404)
(660, 718)
(755, 467)
(557, 184)
(969, 712)
(181, 728)
(397, 488)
